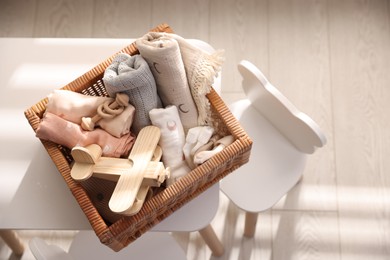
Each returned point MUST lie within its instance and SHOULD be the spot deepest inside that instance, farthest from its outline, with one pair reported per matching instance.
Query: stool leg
(13, 241)
(250, 223)
(212, 240)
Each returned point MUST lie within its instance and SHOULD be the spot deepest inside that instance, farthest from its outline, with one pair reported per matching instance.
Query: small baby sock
(204, 136)
(171, 141)
(132, 76)
(209, 145)
(196, 138)
(191, 140)
(68, 134)
(203, 156)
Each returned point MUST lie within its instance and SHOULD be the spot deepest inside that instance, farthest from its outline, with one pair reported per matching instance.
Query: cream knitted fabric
(164, 59)
(132, 75)
(171, 141)
(200, 67)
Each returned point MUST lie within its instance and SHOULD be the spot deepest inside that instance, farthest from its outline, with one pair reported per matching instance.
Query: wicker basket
(119, 234)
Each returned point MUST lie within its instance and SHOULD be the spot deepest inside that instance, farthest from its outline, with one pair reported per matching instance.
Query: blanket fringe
(207, 68)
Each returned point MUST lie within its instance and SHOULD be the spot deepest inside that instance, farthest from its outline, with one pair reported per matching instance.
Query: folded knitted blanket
(171, 141)
(58, 130)
(166, 54)
(73, 106)
(132, 76)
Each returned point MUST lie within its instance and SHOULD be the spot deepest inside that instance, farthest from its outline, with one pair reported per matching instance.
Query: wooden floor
(330, 58)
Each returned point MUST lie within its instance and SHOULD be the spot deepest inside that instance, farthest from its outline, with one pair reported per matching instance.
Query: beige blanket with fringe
(184, 74)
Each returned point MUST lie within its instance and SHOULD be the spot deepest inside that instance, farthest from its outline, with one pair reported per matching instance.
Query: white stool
(282, 138)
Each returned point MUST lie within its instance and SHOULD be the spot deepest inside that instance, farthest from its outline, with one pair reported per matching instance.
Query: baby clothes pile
(166, 85)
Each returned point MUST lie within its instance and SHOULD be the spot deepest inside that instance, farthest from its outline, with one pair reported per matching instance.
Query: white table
(33, 194)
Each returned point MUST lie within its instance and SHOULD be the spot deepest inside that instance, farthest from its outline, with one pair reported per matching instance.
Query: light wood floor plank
(229, 227)
(64, 18)
(304, 235)
(299, 68)
(17, 18)
(360, 44)
(189, 19)
(122, 18)
(239, 27)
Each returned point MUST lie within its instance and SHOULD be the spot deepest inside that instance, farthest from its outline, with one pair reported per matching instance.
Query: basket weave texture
(119, 234)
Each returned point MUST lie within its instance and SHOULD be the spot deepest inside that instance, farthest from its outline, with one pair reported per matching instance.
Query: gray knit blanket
(132, 76)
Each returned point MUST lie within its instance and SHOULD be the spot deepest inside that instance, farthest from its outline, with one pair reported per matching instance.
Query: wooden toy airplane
(134, 175)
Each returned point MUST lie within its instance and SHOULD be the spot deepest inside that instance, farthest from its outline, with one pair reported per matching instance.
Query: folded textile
(58, 130)
(119, 125)
(171, 141)
(132, 76)
(202, 156)
(160, 51)
(196, 138)
(72, 106)
(164, 58)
